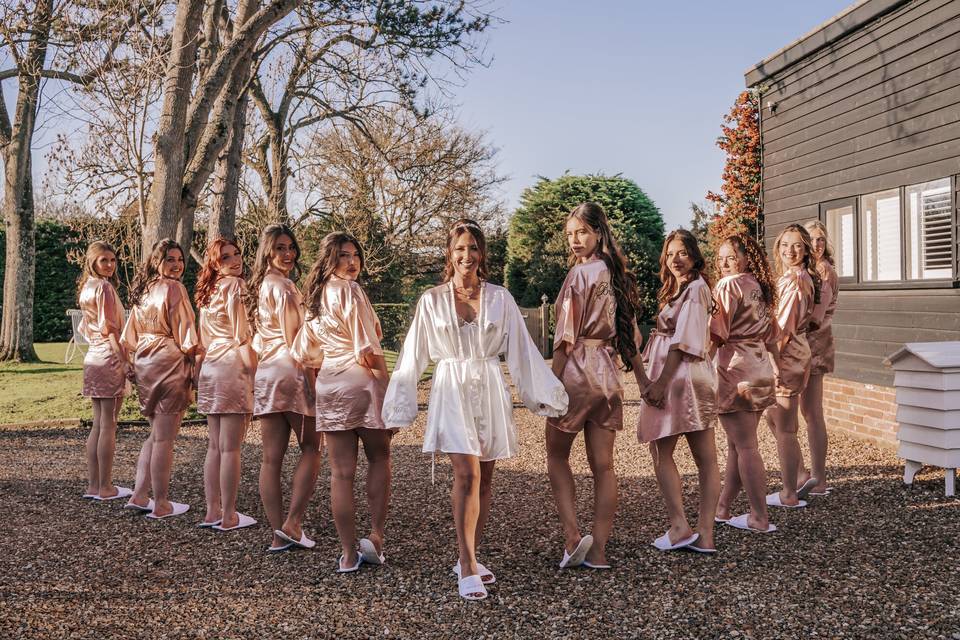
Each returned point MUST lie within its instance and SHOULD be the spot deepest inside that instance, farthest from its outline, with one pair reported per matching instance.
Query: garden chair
(77, 341)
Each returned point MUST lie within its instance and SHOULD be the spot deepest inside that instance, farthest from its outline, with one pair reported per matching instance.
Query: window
(841, 221)
(929, 231)
(905, 235)
(880, 236)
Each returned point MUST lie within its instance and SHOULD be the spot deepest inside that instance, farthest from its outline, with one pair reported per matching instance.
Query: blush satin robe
(281, 383)
(741, 327)
(104, 370)
(335, 342)
(225, 384)
(160, 332)
(690, 398)
(586, 324)
(794, 312)
(470, 409)
(821, 338)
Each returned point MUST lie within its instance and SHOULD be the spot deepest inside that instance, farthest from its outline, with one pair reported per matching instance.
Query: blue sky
(632, 87)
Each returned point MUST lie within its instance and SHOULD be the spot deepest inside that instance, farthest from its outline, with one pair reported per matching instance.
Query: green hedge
(394, 320)
(55, 288)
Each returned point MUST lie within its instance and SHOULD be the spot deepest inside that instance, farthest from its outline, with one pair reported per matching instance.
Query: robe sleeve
(540, 391)
(400, 401)
(130, 337)
(307, 348)
(827, 294)
(109, 314)
(361, 320)
(728, 301)
(182, 318)
(237, 313)
(570, 304)
(789, 310)
(692, 331)
(289, 314)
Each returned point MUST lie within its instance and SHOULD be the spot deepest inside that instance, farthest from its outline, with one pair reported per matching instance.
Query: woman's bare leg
(233, 428)
(742, 432)
(107, 445)
(342, 452)
(93, 463)
(564, 488)
(668, 479)
(703, 446)
(783, 422)
(376, 448)
(731, 474)
(600, 456)
(811, 404)
(466, 509)
(276, 438)
(305, 473)
(165, 430)
(211, 471)
(143, 483)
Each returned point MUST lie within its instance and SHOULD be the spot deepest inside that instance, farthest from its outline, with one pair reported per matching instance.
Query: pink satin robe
(586, 325)
(104, 369)
(225, 384)
(348, 396)
(741, 326)
(161, 333)
(690, 398)
(794, 313)
(821, 339)
(281, 383)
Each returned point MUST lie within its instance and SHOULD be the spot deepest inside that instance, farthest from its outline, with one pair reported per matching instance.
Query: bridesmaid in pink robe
(682, 397)
(797, 291)
(596, 330)
(741, 326)
(161, 333)
(283, 394)
(225, 384)
(341, 338)
(820, 338)
(104, 366)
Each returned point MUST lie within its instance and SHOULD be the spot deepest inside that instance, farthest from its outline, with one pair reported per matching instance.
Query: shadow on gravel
(873, 559)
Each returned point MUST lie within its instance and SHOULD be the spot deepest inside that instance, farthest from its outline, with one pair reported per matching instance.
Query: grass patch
(50, 389)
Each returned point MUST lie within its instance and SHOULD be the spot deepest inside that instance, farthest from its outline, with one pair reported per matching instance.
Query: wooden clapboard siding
(869, 102)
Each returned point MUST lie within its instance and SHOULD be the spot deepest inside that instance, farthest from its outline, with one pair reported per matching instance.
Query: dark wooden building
(860, 123)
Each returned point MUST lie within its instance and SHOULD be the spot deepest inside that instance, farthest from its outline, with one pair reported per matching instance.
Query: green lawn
(50, 390)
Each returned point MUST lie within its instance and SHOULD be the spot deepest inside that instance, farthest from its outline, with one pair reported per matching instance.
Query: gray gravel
(873, 560)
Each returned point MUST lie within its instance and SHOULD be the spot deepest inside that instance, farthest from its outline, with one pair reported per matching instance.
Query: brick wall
(866, 411)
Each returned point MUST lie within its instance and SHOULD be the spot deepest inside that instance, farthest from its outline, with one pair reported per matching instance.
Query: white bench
(77, 342)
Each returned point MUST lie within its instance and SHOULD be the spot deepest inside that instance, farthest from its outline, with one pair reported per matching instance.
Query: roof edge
(850, 19)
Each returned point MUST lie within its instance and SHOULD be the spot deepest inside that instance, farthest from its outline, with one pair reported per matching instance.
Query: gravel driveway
(872, 560)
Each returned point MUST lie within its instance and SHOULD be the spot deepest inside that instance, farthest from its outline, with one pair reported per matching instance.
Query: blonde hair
(96, 249)
(808, 264)
(822, 228)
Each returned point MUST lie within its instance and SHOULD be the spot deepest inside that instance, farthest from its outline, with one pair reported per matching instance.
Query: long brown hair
(808, 264)
(828, 246)
(457, 229)
(149, 270)
(667, 293)
(622, 280)
(324, 267)
(268, 239)
(96, 249)
(210, 271)
(758, 266)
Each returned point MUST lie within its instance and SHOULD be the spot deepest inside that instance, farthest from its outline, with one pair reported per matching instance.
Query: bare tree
(29, 32)
(398, 185)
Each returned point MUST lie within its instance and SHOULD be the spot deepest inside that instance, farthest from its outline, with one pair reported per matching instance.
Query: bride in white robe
(463, 326)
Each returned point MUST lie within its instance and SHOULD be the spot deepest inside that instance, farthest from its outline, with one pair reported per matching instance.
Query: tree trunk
(163, 214)
(280, 158)
(226, 179)
(16, 330)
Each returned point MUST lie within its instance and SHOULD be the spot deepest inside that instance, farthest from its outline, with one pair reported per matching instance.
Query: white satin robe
(470, 408)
